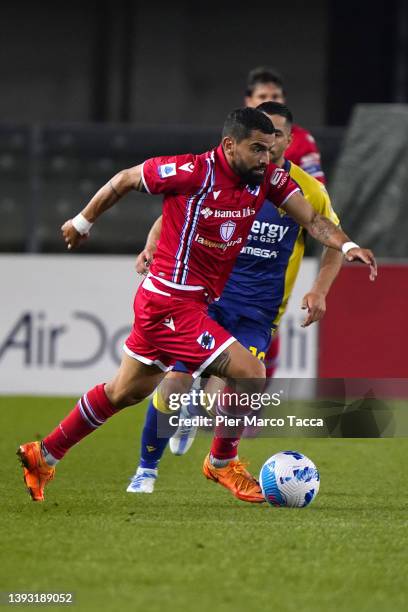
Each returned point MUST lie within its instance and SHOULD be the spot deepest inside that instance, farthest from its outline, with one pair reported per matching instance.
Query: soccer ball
(289, 479)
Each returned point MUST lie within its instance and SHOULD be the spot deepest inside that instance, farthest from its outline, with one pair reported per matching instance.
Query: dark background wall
(186, 62)
(367, 55)
(159, 62)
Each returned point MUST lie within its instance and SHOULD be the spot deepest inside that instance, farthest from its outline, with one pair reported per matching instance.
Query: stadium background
(91, 87)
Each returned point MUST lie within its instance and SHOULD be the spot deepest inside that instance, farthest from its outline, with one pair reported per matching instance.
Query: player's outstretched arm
(315, 300)
(145, 258)
(76, 230)
(326, 232)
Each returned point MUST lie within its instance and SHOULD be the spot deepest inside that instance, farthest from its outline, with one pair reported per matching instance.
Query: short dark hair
(276, 108)
(263, 74)
(242, 121)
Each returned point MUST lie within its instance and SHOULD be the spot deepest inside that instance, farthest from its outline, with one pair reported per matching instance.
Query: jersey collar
(225, 167)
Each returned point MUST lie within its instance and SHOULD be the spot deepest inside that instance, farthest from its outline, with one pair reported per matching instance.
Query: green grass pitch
(191, 545)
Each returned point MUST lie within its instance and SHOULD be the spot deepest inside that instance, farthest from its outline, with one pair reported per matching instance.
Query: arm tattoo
(113, 189)
(220, 365)
(322, 229)
(139, 185)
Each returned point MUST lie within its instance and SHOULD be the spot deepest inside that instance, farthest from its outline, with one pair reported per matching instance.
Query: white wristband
(347, 246)
(82, 225)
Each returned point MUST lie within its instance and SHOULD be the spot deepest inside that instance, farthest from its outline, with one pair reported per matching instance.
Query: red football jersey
(207, 215)
(303, 152)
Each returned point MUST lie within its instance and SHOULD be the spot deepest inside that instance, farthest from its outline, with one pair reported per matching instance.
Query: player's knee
(162, 402)
(167, 395)
(251, 368)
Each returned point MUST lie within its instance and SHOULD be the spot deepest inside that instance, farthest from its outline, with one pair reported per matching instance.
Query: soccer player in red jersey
(265, 85)
(209, 203)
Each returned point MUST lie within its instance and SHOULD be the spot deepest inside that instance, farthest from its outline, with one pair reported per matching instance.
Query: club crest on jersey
(166, 170)
(279, 174)
(227, 229)
(254, 190)
(206, 341)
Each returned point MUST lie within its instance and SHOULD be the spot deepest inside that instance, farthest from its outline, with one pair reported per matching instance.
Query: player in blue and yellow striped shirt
(266, 269)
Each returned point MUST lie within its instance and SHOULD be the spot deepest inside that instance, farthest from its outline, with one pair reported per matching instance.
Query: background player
(266, 85)
(252, 304)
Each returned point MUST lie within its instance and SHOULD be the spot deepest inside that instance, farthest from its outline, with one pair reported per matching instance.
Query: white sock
(142, 470)
(48, 458)
(221, 462)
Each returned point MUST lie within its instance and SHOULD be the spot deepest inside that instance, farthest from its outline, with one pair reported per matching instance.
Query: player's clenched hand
(366, 256)
(143, 260)
(315, 303)
(71, 236)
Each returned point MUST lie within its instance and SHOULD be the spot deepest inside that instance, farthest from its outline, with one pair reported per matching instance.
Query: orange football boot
(36, 471)
(236, 478)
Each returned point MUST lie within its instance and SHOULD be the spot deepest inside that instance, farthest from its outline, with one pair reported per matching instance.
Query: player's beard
(250, 176)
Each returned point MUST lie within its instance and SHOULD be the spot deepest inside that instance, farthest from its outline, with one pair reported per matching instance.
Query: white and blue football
(289, 479)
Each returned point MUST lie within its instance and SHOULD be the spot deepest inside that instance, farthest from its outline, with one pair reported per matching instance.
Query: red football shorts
(173, 325)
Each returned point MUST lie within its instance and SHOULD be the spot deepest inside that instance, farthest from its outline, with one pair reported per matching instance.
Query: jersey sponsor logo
(166, 170)
(216, 194)
(227, 214)
(206, 341)
(254, 190)
(272, 231)
(169, 323)
(234, 214)
(217, 245)
(206, 212)
(258, 252)
(189, 167)
(227, 229)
